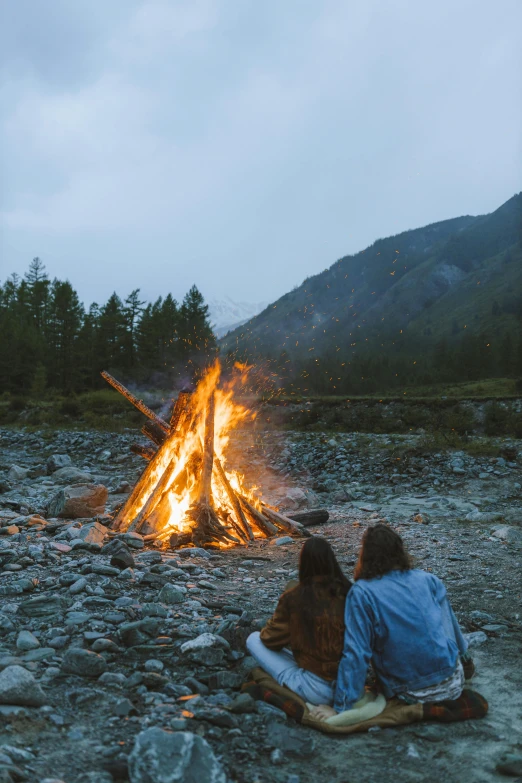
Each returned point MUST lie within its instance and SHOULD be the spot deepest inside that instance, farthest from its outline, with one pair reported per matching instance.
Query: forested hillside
(439, 303)
(48, 340)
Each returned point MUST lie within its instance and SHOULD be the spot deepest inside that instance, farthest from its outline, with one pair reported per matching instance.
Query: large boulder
(161, 756)
(78, 501)
(57, 461)
(18, 686)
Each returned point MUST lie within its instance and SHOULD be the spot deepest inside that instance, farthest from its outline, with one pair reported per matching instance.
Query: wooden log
(205, 487)
(309, 518)
(154, 433)
(145, 484)
(179, 408)
(147, 452)
(284, 522)
(163, 487)
(260, 521)
(139, 404)
(154, 498)
(234, 502)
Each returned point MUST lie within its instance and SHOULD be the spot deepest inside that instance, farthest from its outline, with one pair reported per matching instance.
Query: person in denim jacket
(400, 619)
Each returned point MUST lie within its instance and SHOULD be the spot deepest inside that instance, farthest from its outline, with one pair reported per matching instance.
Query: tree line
(49, 340)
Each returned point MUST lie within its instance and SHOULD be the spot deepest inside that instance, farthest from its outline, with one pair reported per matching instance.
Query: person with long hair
(301, 644)
(400, 619)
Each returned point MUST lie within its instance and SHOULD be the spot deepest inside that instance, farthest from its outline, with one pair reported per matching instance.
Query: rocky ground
(106, 641)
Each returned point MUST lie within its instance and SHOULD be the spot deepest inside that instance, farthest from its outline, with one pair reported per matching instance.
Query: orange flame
(170, 485)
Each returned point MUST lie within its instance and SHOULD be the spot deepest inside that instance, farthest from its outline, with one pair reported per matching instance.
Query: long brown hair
(318, 561)
(382, 551)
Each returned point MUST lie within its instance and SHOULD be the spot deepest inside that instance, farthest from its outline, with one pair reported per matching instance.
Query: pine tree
(64, 324)
(131, 313)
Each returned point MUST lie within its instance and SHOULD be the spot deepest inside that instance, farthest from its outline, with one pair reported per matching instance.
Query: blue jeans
(283, 667)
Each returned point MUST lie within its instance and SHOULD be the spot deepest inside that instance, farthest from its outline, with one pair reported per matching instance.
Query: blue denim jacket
(404, 623)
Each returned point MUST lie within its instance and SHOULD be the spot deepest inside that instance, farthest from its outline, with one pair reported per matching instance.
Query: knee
(253, 641)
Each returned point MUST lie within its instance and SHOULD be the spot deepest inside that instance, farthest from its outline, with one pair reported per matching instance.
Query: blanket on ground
(396, 712)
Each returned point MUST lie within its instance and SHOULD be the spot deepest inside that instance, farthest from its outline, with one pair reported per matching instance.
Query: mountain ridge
(411, 288)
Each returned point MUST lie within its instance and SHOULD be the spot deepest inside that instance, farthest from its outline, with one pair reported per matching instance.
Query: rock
(476, 638)
(83, 663)
(57, 461)
(242, 704)
(295, 498)
(170, 594)
(71, 476)
(16, 473)
(281, 541)
(511, 765)
(161, 756)
(134, 540)
(18, 686)
(78, 586)
(93, 533)
(41, 606)
(26, 641)
(512, 535)
(78, 501)
(204, 641)
(123, 707)
(153, 665)
(121, 556)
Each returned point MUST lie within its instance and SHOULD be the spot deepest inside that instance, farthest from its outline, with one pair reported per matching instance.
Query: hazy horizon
(157, 144)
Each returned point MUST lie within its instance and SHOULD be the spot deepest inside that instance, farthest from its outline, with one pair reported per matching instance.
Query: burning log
(181, 405)
(241, 519)
(284, 522)
(260, 521)
(147, 452)
(205, 521)
(139, 404)
(154, 433)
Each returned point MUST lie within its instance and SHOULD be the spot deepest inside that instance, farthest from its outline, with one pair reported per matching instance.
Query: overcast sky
(244, 145)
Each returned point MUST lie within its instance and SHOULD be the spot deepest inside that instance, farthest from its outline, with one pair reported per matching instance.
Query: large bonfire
(187, 494)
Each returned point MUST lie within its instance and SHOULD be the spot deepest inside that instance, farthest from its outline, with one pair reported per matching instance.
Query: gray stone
(205, 641)
(26, 641)
(41, 606)
(510, 765)
(16, 473)
(83, 663)
(93, 533)
(18, 686)
(476, 638)
(78, 586)
(57, 461)
(71, 475)
(169, 594)
(79, 501)
(161, 756)
(281, 541)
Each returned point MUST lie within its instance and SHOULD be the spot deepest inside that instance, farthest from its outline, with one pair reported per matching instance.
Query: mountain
(401, 297)
(226, 315)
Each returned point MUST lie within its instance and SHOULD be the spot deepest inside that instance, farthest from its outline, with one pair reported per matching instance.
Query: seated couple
(326, 630)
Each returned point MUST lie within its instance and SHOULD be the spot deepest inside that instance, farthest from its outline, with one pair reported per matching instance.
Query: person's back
(301, 644)
(411, 648)
(310, 621)
(400, 619)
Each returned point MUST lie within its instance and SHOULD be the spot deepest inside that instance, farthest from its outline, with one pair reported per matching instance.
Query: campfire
(187, 494)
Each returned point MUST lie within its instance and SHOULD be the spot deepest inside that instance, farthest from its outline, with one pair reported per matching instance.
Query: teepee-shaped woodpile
(185, 494)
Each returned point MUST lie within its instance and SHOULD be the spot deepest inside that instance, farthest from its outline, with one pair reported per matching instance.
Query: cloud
(239, 136)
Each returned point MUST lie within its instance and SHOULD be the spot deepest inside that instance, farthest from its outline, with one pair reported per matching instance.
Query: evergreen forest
(50, 342)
